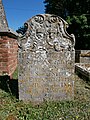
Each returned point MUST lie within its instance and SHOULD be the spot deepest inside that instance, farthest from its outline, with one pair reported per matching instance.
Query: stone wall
(46, 60)
(85, 56)
(82, 56)
(8, 55)
(82, 66)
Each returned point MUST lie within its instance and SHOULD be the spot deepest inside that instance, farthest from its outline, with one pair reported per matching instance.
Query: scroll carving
(48, 29)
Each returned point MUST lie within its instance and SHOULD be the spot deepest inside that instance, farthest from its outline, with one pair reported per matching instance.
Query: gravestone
(46, 60)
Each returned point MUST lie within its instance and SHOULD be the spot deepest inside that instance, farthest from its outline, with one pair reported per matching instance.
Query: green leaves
(49, 110)
(82, 20)
(77, 14)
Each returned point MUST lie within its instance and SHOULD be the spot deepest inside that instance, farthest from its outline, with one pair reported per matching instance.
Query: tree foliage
(77, 14)
(22, 30)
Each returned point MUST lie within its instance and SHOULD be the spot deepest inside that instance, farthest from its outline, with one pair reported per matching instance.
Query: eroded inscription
(46, 60)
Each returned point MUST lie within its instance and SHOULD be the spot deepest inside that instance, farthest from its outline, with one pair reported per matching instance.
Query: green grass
(15, 74)
(78, 109)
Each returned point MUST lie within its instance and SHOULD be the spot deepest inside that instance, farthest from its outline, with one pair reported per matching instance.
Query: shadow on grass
(83, 77)
(9, 85)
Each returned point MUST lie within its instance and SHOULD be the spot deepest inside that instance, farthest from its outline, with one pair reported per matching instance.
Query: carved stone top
(3, 21)
(47, 30)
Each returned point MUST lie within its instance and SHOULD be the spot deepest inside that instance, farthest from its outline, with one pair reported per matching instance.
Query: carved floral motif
(48, 29)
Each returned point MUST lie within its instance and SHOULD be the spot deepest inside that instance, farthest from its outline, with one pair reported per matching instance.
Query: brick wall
(8, 55)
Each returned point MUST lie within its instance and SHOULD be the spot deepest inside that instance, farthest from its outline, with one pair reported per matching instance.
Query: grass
(78, 109)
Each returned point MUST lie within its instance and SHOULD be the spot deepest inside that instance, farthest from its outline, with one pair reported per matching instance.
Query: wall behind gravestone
(8, 55)
(8, 46)
(46, 60)
(85, 56)
(82, 56)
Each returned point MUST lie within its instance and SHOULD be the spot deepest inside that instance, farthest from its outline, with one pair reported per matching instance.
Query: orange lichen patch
(68, 88)
(22, 81)
(11, 117)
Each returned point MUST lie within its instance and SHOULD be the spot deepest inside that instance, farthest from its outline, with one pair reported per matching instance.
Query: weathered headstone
(46, 60)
